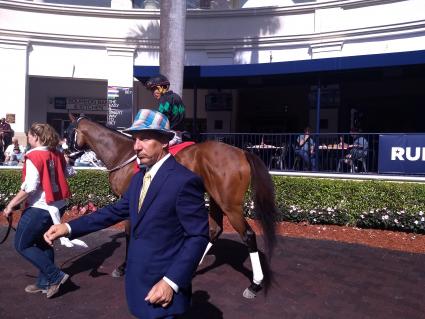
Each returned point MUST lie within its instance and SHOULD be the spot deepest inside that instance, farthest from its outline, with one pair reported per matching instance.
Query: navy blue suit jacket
(168, 235)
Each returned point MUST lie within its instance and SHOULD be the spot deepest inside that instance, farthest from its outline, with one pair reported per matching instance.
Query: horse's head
(76, 138)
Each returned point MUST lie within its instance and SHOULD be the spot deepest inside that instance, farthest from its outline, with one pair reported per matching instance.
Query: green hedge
(367, 204)
(87, 186)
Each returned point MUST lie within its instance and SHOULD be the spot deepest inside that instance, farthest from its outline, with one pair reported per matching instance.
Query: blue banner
(400, 153)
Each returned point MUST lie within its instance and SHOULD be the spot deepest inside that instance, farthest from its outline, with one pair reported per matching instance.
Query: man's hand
(160, 294)
(55, 232)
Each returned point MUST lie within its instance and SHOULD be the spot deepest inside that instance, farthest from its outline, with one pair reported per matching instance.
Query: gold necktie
(146, 182)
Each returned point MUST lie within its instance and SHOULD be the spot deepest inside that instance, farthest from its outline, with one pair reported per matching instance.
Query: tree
(172, 42)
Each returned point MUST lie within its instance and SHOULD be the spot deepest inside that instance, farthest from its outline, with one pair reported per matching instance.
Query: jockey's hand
(160, 294)
(54, 232)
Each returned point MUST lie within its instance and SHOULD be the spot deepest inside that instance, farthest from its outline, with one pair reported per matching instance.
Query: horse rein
(9, 227)
(108, 170)
(122, 164)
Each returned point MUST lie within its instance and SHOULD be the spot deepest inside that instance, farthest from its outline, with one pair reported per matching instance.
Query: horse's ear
(71, 117)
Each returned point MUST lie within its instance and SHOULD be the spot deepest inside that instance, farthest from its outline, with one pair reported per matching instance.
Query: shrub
(367, 204)
(88, 186)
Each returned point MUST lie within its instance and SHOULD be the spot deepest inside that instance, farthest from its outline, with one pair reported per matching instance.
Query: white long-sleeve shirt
(32, 186)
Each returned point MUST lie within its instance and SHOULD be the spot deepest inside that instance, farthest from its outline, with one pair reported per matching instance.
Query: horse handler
(44, 191)
(169, 224)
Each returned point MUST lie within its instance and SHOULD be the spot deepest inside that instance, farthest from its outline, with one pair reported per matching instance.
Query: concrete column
(120, 66)
(14, 84)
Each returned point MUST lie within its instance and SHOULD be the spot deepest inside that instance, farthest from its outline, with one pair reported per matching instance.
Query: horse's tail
(264, 200)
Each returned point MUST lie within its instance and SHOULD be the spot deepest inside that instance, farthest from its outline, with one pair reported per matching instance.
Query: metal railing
(335, 152)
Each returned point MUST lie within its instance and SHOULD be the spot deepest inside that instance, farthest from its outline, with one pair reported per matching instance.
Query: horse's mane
(112, 130)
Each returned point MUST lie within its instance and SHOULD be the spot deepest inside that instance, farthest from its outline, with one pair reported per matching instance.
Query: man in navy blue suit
(169, 224)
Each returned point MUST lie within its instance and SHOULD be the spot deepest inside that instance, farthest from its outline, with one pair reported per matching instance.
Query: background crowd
(12, 152)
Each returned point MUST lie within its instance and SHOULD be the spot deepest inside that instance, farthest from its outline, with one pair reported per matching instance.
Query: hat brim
(133, 130)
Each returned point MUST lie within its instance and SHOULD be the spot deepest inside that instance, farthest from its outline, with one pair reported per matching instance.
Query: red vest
(51, 168)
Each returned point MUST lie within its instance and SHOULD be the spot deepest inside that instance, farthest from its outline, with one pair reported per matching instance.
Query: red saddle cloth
(173, 151)
(178, 147)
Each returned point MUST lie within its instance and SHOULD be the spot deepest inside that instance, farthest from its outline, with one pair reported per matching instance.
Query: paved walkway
(312, 279)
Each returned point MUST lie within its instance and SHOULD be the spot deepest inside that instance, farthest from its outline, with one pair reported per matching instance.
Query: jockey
(169, 103)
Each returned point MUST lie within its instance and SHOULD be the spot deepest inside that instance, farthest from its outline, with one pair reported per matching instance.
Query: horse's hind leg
(215, 219)
(120, 270)
(249, 238)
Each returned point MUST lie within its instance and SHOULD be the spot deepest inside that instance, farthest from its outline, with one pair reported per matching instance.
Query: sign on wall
(81, 104)
(10, 118)
(402, 153)
(120, 107)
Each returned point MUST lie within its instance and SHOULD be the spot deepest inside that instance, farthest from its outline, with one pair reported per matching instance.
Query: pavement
(311, 279)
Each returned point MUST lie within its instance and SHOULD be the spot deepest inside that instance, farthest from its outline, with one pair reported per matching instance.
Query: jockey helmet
(159, 80)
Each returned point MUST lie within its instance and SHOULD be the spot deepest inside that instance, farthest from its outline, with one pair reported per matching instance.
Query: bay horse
(227, 173)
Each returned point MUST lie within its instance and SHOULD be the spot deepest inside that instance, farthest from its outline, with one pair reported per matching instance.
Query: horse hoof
(118, 272)
(251, 291)
(248, 294)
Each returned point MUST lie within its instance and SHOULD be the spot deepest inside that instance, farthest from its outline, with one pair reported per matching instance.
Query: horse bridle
(76, 147)
(74, 132)
(122, 164)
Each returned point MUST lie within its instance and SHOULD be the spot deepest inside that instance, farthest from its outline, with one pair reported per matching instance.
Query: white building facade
(50, 51)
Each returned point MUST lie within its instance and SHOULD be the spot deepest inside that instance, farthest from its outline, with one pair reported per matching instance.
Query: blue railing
(336, 152)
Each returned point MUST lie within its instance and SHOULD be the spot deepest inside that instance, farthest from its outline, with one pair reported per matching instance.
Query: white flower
(362, 216)
(396, 221)
(385, 217)
(416, 222)
(421, 213)
(422, 219)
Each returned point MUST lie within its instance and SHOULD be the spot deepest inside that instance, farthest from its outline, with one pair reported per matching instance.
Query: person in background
(305, 149)
(169, 223)
(358, 151)
(6, 132)
(63, 144)
(2, 157)
(14, 153)
(169, 103)
(88, 159)
(44, 191)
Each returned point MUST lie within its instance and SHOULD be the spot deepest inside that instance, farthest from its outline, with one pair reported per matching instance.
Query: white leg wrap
(256, 268)
(205, 252)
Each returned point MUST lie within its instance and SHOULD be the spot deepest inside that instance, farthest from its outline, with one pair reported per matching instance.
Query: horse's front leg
(215, 220)
(120, 270)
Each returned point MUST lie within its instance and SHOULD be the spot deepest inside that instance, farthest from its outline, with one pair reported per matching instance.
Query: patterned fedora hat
(150, 120)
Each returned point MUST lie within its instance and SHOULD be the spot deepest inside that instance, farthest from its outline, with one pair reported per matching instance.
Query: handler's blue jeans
(30, 244)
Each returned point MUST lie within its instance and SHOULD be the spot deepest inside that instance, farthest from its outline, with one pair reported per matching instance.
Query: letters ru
(405, 153)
